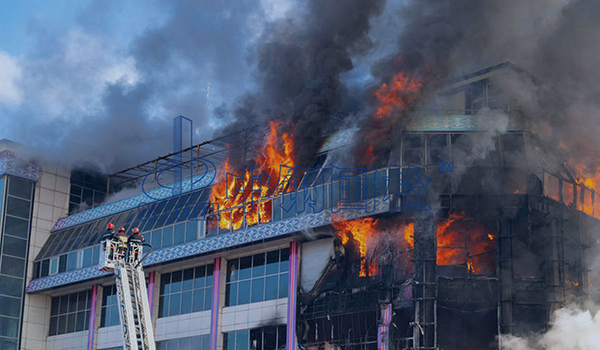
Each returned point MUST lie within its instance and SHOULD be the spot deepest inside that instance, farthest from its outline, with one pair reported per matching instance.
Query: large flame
(360, 230)
(400, 94)
(462, 242)
(589, 179)
(242, 195)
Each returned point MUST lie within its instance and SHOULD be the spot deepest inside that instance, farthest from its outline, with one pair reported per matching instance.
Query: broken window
(467, 326)
(355, 331)
(551, 187)
(265, 338)
(468, 244)
(568, 193)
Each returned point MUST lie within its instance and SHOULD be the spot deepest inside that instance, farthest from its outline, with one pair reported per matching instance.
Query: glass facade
(16, 202)
(257, 277)
(186, 291)
(200, 342)
(110, 307)
(265, 338)
(163, 224)
(87, 190)
(70, 313)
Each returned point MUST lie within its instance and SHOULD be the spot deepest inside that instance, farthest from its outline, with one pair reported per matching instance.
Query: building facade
(505, 239)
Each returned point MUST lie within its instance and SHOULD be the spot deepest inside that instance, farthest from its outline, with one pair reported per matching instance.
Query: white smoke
(571, 329)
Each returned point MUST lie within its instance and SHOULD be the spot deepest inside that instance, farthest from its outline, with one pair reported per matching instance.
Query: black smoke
(300, 62)
(556, 41)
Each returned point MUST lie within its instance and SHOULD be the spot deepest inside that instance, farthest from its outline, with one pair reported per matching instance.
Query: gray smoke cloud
(83, 97)
(557, 41)
(571, 328)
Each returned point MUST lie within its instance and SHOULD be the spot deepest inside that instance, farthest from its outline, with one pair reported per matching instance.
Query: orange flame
(400, 94)
(360, 230)
(465, 242)
(409, 234)
(588, 179)
(242, 195)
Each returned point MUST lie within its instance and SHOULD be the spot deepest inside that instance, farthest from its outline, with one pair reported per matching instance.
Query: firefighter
(134, 241)
(122, 243)
(109, 235)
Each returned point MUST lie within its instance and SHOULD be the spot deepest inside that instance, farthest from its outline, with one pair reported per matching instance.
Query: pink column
(383, 334)
(292, 288)
(92, 320)
(151, 280)
(216, 300)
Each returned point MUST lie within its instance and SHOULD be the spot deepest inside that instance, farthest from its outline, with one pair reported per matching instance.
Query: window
(53, 266)
(438, 149)
(14, 229)
(201, 342)
(412, 150)
(88, 189)
(513, 147)
(110, 307)
(265, 338)
(189, 290)
(257, 278)
(70, 313)
(466, 243)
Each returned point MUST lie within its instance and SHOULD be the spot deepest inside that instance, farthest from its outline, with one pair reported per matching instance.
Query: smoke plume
(556, 41)
(300, 62)
(572, 329)
(91, 95)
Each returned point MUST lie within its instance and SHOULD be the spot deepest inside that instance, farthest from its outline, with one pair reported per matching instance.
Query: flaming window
(379, 244)
(468, 243)
(568, 193)
(242, 199)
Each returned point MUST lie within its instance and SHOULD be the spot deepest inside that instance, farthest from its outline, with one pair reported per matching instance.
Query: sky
(86, 69)
(79, 80)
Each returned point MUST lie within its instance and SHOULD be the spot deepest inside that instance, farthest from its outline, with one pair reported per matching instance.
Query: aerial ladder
(124, 255)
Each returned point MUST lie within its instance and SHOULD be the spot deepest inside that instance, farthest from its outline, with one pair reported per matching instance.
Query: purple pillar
(216, 301)
(151, 279)
(292, 288)
(92, 320)
(383, 333)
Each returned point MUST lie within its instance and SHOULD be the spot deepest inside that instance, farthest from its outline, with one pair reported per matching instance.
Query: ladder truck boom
(123, 255)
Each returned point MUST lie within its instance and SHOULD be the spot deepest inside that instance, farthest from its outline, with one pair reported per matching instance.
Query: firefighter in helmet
(122, 243)
(135, 240)
(109, 235)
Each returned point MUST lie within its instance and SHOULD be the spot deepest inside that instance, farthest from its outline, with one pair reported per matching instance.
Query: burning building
(464, 228)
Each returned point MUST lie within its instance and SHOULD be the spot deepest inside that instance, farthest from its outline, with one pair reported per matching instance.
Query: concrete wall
(50, 203)
(69, 341)
(182, 326)
(254, 315)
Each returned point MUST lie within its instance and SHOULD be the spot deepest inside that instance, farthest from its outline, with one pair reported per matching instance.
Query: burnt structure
(501, 236)
(507, 241)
